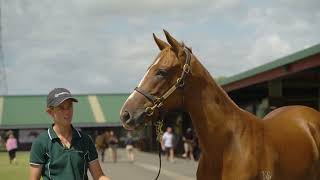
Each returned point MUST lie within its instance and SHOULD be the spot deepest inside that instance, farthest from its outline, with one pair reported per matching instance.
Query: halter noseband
(158, 101)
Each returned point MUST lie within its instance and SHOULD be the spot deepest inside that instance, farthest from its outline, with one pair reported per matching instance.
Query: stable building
(291, 80)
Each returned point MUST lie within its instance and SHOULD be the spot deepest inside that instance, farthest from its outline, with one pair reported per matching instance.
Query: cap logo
(59, 94)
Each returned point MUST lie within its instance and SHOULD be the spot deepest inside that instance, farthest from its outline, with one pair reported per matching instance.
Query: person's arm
(184, 139)
(35, 172)
(37, 159)
(94, 165)
(96, 171)
(115, 139)
(162, 143)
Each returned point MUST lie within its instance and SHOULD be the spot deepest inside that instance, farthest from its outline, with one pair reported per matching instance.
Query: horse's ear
(161, 44)
(174, 43)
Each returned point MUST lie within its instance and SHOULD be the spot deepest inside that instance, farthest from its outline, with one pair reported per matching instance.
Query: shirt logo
(59, 94)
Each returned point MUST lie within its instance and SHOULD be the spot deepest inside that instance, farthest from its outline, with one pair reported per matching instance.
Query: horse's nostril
(125, 115)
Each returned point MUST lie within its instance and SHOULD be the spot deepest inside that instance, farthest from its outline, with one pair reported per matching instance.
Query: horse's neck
(213, 113)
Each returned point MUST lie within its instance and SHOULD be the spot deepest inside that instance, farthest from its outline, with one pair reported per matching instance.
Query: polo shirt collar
(75, 133)
(52, 134)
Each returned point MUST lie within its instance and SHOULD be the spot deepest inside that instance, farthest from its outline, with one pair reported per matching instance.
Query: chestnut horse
(236, 145)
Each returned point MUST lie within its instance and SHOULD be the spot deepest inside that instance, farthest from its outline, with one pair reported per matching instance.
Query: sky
(106, 46)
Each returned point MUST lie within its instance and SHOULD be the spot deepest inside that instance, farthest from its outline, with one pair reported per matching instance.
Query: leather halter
(158, 101)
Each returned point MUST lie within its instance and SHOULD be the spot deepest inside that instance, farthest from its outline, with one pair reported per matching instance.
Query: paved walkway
(146, 168)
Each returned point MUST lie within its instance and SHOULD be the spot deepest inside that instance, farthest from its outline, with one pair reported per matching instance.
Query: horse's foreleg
(205, 170)
(200, 170)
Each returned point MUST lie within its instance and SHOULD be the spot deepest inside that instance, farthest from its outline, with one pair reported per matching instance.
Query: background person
(102, 144)
(188, 143)
(167, 143)
(129, 147)
(12, 146)
(113, 145)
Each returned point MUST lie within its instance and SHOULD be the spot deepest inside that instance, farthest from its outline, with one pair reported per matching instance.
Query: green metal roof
(274, 64)
(111, 105)
(30, 111)
(82, 111)
(20, 110)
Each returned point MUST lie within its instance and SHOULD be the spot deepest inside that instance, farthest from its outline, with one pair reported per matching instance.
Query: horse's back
(294, 131)
(294, 110)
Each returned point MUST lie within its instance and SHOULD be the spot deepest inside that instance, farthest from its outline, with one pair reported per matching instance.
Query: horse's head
(159, 90)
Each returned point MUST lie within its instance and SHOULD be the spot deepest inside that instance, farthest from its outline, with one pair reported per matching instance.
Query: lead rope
(158, 125)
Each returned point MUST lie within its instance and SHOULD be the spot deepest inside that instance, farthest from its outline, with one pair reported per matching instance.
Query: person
(196, 148)
(63, 152)
(188, 143)
(167, 144)
(12, 146)
(113, 144)
(102, 144)
(129, 147)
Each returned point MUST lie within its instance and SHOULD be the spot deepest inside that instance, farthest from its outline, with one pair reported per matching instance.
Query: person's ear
(49, 110)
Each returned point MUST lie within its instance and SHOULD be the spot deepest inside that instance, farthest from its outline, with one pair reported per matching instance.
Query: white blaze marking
(131, 96)
(156, 62)
(142, 80)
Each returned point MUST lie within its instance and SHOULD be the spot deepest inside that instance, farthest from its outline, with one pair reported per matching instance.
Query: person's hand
(96, 171)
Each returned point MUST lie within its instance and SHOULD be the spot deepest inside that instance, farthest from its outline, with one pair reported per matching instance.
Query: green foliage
(220, 78)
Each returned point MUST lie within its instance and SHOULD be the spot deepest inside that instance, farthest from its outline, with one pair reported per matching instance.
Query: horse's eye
(162, 72)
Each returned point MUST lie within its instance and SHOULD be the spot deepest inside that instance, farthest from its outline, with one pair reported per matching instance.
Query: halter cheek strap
(146, 94)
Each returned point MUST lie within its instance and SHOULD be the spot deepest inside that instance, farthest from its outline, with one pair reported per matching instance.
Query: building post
(275, 93)
(319, 99)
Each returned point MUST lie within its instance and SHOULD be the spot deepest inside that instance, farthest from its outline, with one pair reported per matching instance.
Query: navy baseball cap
(57, 96)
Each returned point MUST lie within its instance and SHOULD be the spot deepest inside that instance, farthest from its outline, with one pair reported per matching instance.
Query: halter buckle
(149, 111)
(160, 104)
(158, 100)
(186, 68)
(180, 83)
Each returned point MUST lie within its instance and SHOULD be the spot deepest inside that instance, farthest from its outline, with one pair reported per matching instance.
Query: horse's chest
(239, 169)
(247, 164)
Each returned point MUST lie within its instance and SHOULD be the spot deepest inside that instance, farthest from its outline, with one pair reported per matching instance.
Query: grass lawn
(14, 172)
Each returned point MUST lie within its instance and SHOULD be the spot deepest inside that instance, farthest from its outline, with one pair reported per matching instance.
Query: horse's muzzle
(132, 122)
